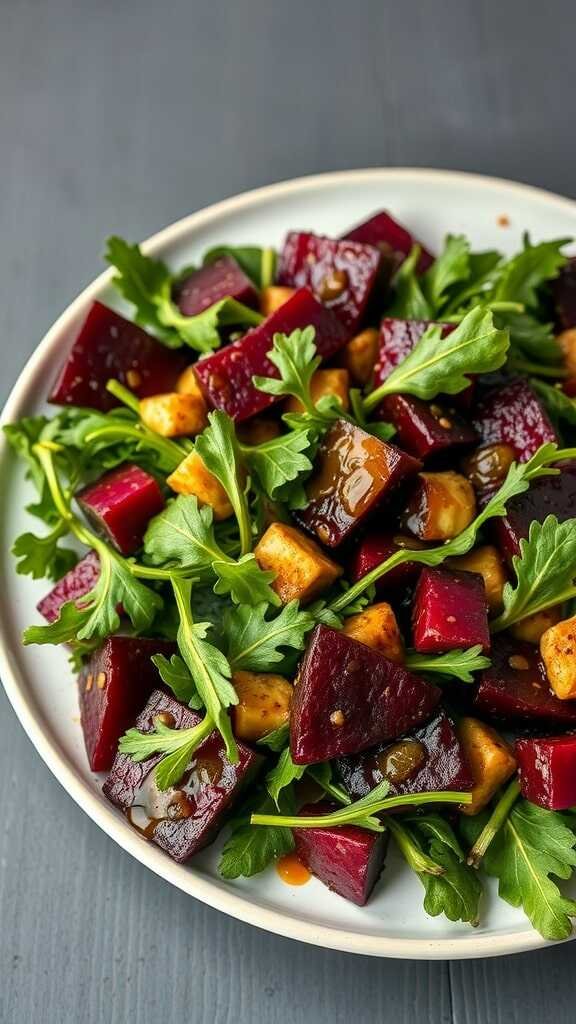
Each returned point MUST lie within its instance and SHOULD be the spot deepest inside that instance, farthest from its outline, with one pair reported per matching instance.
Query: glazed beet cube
(390, 237)
(112, 688)
(424, 428)
(184, 819)
(349, 697)
(219, 280)
(348, 859)
(375, 548)
(564, 295)
(516, 687)
(397, 339)
(108, 346)
(120, 504)
(226, 375)
(547, 770)
(353, 472)
(79, 581)
(341, 273)
(550, 495)
(514, 415)
(426, 761)
(450, 611)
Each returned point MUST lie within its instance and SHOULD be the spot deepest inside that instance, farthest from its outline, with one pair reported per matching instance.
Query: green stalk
(413, 855)
(355, 815)
(267, 264)
(503, 621)
(539, 369)
(169, 450)
(495, 822)
(124, 395)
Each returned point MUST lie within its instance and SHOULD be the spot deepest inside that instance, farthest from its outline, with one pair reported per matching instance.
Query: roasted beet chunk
(391, 238)
(428, 760)
(108, 346)
(76, 583)
(112, 688)
(547, 769)
(425, 429)
(516, 687)
(564, 294)
(397, 339)
(551, 495)
(341, 274)
(349, 697)
(226, 376)
(348, 859)
(120, 504)
(376, 547)
(219, 280)
(514, 415)
(450, 611)
(184, 819)
(354, 471)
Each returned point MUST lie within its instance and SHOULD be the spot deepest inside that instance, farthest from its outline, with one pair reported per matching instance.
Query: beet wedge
(394, 240)
(376, 547)
(428, 760)
(516, 688)
(347, 859)
(450, 611)
(112, 688)
(108, 346)
(121, 504)
(80, 580)
(349, 697)
(513, 414)
(226, 376)
(550, 495)
(184, 819)
(222, 279)
(547, 771)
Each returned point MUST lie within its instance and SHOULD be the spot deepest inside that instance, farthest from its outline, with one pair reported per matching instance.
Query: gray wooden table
(125, 116)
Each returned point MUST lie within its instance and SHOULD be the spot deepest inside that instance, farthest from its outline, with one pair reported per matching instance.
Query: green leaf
(177, 746)
(218, 448)
(257, 263)
(530, 339)
(249, 850)
(245, 581)
(175, 674)
(558, 404)
(42, 557)
(183, 535)
(284, 773)
(451, 266)
(63, 631)
(294, 356)
(254, 643)
(521, 277)
(275, 740)
(322, 774)
(21, 437)
(279, 462)
(409, 301)
(458, 664)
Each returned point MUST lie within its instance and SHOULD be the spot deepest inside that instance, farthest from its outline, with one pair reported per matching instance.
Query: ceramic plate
(38, 681)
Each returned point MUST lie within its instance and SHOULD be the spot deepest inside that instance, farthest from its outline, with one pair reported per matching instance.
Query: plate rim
(228, 900)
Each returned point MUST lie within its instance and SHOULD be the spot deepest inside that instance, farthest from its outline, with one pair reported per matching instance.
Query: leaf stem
(494, 823)
(353, 814)
(541, 370)
(124, 395)
(413, 855)
(504, 621)
(172, 452)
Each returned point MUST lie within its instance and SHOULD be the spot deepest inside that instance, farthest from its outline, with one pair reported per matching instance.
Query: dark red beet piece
(353, 472)
(219, 280)
(564, 295)
(121, 504)
(226, 375)
(514, 415)
(112, 688)
(433, 761)
(348, 859)
(388, 235)
(547, 770)
(516, 687)
(79, 581)
(550, 495)
(450, 611)
(185, 819)
(349, 697)
(341, 273)
(424, 428)
(108, 346)
(397, 339)
(375, 548)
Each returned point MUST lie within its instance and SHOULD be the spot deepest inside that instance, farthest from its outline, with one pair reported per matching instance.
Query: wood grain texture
(125, 117)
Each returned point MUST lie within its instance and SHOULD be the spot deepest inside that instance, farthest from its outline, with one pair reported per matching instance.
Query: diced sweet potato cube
(222, 279)
(302, 569)
(441, 506)
(377, 627)
(188, 383)
(273, 297)
(514, 415)
(120, 504)
(516, 686)
(174, 415)
(325, 382)
(263, 705)
(567, 342)
(359, 355)
(192, 477)
(258, 430)
(388, 235)
(490, 758)
(532, 627)
(487, 562)
(547, 771)
(558, 650)
(449, 611)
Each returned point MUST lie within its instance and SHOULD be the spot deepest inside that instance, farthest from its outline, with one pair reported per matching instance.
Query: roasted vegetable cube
(487, 468)
(348, 697)
(188, 383)
(376, 547)
(426, 429)
(516, 687)
(353, 472)
(567, 342)
(491, 760)
(450, 611)
(547, 771)
(181, 820)
(487, 562)
(359, 355)
(441, 506)
(558, 650)
(302, 569)
(348, 859)
(376, 627)
(80, 580)
(514, 415)
(325, 382)
(564, 294)
(222, 279)
(120, 504)
(192, 477)
(273, 297)
(263, 704)
(550, 495)
(174, 415)
(389, 236)
(532, 627)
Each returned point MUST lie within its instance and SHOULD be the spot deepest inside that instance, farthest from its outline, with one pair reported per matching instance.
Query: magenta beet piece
(184, 819)
(226, 375)
(516, 687)
(108, 346)
(112, 688)
(120, 504)
(348, 859)
(564, 295)
(353, 472)
(341, 274)
(375, 548)
(426, 428)
(219, 280)
(389, 236)
(514, 415)
(79, 581)
(547, 770)
(349, 697)
(428, 760)
(450, 610)
(397, 339)
(550, 495)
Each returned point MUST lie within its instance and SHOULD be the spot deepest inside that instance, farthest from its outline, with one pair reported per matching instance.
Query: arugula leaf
(523, 275)
(455, 890)
(183, 534)
(257, 263)
(558, 404)
(176, 675)
(275, 740)
(279, 462)
(248, 851)
(42, 557)
(322, 774)
(409, 302)
(253, 642)
(458, 663)
(218, 448)
(451, 266)
(177, 746)
(244, 581)
(295, 357)
(531, 339)
(22, 436)
(284, 773)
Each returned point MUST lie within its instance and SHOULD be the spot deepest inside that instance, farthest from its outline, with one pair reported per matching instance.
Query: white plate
(38, 681)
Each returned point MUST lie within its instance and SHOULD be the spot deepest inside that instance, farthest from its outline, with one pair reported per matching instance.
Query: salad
(309, 522)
